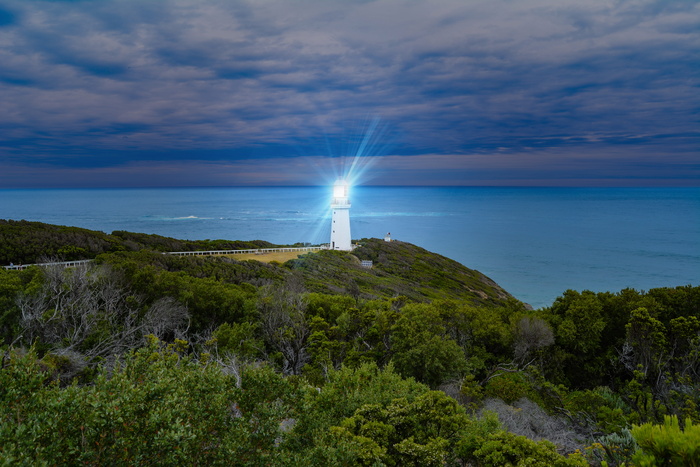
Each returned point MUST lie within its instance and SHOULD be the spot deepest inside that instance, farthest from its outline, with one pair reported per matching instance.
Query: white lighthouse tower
(340, 218)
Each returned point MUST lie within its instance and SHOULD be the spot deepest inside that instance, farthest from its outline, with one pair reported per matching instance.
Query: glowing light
(340, 189)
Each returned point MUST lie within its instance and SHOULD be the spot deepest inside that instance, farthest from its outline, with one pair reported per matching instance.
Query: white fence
(65, 264)
(259, 251)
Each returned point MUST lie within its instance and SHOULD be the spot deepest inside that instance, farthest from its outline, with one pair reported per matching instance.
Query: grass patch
(279, 256)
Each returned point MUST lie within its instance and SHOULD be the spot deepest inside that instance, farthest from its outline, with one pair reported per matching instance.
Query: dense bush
(156, 406)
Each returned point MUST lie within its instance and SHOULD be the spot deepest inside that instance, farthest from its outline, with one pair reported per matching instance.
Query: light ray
(359, 163)
(349, 157)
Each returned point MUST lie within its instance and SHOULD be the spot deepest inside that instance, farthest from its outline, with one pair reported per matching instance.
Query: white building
(340, 218)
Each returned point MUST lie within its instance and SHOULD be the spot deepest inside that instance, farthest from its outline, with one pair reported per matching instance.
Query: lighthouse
(340, 218)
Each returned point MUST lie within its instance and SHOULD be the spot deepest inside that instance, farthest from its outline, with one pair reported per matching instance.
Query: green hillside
(398, 269)
(25, 242)
(142, 358)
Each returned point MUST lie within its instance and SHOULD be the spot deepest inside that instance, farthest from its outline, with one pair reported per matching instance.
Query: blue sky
(281, 92)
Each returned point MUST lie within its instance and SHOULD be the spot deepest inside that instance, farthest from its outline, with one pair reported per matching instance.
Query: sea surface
(535, 242)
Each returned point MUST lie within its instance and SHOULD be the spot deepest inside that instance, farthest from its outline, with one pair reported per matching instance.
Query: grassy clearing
(280, 256)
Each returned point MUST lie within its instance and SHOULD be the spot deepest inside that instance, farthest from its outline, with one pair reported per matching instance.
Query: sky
(121, 93)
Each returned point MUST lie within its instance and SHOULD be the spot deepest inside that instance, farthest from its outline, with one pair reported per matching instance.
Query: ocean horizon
(536, 242)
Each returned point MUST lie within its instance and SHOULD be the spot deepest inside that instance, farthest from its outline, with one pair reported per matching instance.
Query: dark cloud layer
(197, 92)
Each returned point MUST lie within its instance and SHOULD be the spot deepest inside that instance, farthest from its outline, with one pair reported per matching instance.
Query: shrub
(504, 448)
(667, 444)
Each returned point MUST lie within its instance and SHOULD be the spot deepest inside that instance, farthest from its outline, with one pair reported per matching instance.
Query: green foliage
(326, 350)
(510, 387)
(667, 444)
(347, 390)
(644, 344)
(578, 321)
(475, 434)
(11, 284)
(603, 360)
(612, 450)
(485, 333)
(605, 409)
(24, 242)
(328, 307)
(210, 301)
(506, 449)
(485, 443)
(471, 392)
(421, 432)
(647, 338)
(158, 407)
(433, 275)
(160, 243)
(422, 348)
(238, 339)
(400, 269)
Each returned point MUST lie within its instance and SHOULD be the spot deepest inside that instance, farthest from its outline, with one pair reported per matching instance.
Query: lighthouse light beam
(348, 173)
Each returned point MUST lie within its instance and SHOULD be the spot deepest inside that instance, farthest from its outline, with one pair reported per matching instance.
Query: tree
(90, 311)
(422, 348)
(578, 322)
(346, 390)
(238, 339)
(10, 286)
(415, 433)
(284, 326)
(532, 334)
(645, 347)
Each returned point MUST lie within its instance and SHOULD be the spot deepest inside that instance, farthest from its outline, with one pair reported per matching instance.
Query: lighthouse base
(340, 230)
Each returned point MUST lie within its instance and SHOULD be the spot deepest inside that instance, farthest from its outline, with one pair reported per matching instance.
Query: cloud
(110, 84)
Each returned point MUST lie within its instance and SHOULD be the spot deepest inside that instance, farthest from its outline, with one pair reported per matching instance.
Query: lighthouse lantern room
(340, 218)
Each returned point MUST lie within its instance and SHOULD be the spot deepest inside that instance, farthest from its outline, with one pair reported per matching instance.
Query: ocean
(535, 242)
